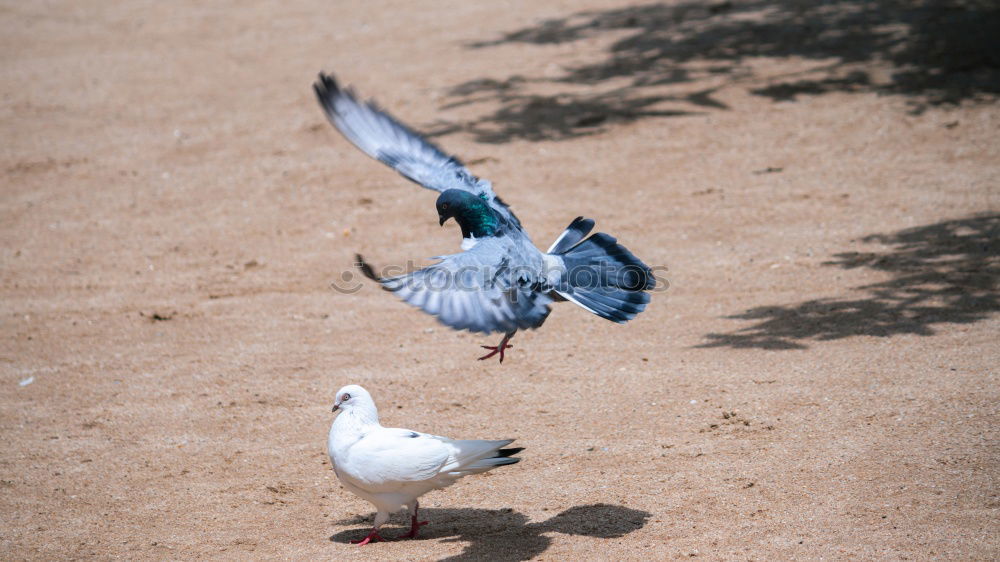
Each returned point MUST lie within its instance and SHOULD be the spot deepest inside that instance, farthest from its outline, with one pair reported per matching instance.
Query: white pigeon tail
(392, 467)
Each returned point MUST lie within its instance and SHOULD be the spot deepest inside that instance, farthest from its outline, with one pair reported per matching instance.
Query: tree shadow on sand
(944, 273)
(505, 535)
(668, 60)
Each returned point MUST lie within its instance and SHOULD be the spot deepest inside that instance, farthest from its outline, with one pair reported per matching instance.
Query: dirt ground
(819, 381)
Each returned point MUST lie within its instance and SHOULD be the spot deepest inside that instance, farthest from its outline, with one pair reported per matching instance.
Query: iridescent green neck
(476, 218)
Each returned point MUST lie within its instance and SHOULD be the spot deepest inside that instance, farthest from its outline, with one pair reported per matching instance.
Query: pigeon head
(472, 213)
(352, 396)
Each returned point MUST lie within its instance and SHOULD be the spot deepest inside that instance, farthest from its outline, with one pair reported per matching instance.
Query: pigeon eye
(345, 397)
(444, 206)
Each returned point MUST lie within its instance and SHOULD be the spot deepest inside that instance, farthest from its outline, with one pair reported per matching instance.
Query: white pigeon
(393, 467)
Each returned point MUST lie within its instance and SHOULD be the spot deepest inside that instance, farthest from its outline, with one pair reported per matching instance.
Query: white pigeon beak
(335, 407)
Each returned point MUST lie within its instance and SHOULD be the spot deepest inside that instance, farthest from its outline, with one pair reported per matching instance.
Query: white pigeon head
(353, 396)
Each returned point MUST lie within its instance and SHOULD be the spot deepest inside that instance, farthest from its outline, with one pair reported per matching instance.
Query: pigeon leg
(414, 525)
(380, 519)
(499, 348)
(372, 537)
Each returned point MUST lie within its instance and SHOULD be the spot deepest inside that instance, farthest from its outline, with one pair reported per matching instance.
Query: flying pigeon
(393, 467)
(500, 282)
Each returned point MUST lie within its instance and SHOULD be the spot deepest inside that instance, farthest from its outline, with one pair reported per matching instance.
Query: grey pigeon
(500, 282)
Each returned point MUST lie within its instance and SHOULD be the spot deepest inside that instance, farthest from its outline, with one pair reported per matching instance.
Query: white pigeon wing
(387, 457)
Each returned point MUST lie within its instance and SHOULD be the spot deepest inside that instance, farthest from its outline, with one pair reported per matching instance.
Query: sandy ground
(819, 381)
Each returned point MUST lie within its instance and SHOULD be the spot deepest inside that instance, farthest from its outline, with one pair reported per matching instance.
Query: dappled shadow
(667, 59)
(506, 535)
(535, 118)
(944, 273)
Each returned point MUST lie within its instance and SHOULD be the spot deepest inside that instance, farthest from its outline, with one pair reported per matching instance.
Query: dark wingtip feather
(328, 82)
(573, 235)
(326, 89)
(508, 452)
(366, 268)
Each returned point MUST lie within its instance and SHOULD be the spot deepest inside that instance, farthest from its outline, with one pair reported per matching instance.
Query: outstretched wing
(382, 137)
(481, 290)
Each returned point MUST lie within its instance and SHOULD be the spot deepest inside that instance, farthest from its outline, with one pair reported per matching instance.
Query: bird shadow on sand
(506, 535)
(943, 273)
(667, 60)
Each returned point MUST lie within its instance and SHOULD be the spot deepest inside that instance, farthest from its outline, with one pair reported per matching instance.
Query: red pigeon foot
(498, 348)
(372, 537)
(414, 528)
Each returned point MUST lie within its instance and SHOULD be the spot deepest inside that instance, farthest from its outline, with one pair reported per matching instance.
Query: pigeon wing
(384, 138)
(385, 457)
(480, 290)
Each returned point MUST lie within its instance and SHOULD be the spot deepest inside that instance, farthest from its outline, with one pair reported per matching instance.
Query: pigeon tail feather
(600, 274)
(474, 456)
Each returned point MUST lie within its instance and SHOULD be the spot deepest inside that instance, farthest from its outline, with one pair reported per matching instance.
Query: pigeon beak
(442, 219)
(335, 407)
